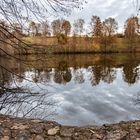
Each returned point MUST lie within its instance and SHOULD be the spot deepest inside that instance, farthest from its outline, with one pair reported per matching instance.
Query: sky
(118, 9)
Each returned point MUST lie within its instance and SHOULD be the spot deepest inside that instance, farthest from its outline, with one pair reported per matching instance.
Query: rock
(69, 138)
(1, 131)
(6, 132)
(20, 127)
(21, 138)
(91, 131)
(36, 121)
(138, 130)
(67, 132)
(58, 138)
(5, 138)
(100, 137)
(23, 129)
(38, 137)
(53, 131)
(36, 129)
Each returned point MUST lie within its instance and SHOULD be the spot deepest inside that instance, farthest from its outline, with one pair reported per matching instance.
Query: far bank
(72, 45)
(81, 45)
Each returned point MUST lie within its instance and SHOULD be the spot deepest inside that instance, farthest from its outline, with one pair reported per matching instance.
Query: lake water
(72, 89)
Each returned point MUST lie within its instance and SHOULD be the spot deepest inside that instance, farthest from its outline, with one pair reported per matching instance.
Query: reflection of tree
(67, 75)
(58, 76)
(108, 74)
(130, 70)
(11, 72)
(62, 74)
(41, 75)
(79, 76)
(105, 73)
(5, 77)
(96, 75)
(17, 101)
(103, 70)
(62, 68)
(131, 73)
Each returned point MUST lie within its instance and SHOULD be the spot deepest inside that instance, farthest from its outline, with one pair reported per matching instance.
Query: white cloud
(119, 9)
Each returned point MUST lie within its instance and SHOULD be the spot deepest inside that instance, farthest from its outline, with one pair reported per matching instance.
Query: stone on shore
(26, 129)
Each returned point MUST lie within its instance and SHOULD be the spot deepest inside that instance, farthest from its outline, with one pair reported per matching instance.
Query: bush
(62, 39)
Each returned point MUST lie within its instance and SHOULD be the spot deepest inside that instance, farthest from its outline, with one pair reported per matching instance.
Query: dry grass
(41, 40)
(76, 45)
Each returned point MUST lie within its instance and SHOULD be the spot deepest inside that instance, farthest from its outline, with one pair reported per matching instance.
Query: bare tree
(131, 30)
(96, 26)
(23, 11)
(57, 27)
(66, 27)
(45, 27)
(109, 28)
(33, 28)
(29, 9)
(78, 26)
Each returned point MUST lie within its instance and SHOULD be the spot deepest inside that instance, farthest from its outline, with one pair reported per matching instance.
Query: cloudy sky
(119, 9)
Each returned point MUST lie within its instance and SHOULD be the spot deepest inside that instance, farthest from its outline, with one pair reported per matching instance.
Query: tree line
(103, 32)
(97, 27)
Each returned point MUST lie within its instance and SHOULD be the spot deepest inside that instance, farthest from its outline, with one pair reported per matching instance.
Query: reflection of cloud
(136, 99)
(81, 104)
(86, 105)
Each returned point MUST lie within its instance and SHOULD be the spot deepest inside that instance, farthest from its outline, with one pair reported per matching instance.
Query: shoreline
(12, 128)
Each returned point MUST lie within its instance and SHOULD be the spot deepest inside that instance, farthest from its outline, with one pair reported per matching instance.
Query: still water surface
(73, 89)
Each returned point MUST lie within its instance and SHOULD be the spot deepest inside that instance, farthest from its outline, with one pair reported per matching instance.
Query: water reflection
(93, 86)
(63, 69)
(21, 100)
(131, 72)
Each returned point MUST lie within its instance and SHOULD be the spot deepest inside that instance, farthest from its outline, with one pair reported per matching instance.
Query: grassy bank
(80, 45)
(74, 45)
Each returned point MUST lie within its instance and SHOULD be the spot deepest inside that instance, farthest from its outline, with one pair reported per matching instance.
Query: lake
(77, 90)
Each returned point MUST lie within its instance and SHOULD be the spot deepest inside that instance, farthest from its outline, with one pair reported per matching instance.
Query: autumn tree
(96, 26)
(109, 28)
(78, 27)
(56, 27)
(38, 28)
(24, 11)
(33, 28)
(45, 27)
(66, 27)
(61, 28)
(131, 30)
